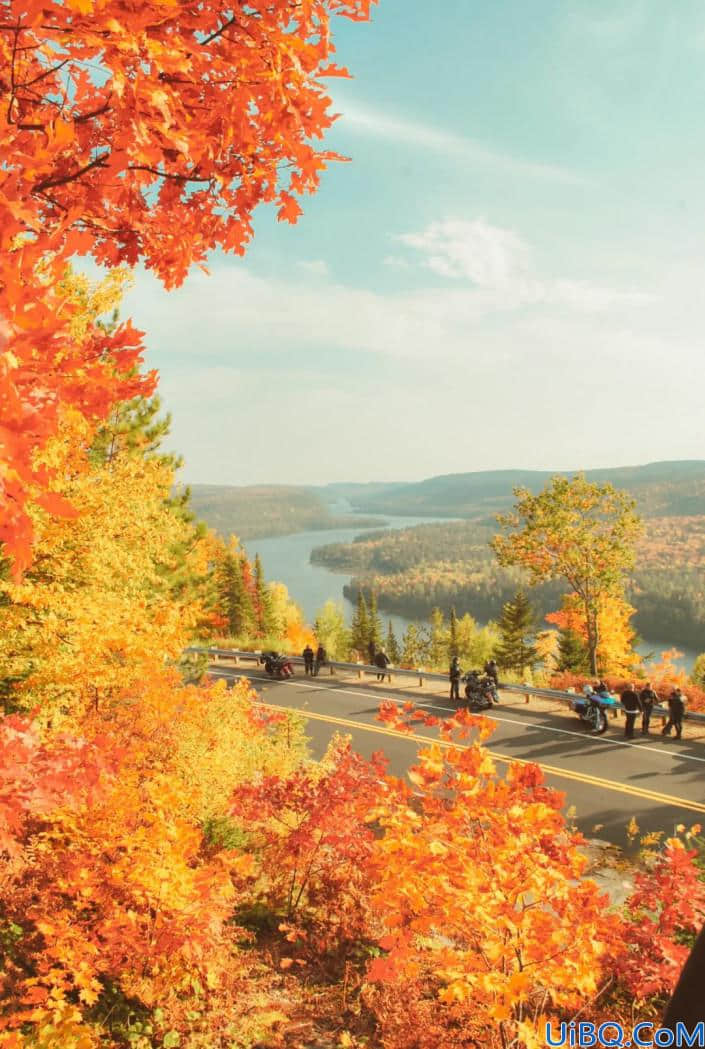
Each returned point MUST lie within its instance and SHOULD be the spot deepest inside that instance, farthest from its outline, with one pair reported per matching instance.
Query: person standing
(676, 710)
(321, 658)
(649, 700)
(491, 671)
(382, 662)
(455, 674)
(308, 659)
(372, 652)
(632, 705)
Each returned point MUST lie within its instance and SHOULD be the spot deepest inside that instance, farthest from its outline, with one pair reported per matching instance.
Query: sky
(510, 271)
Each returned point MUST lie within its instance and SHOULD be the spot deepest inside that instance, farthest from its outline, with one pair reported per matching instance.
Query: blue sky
(509, 273)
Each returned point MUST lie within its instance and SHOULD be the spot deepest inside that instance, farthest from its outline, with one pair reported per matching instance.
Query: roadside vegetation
(175, 869)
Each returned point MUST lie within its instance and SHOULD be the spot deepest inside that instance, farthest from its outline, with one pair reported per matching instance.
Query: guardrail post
(236, 659)
(331, 671)
(359, 671)
(420, 678)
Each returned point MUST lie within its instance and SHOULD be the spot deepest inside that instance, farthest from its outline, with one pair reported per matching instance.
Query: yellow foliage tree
(615, 647)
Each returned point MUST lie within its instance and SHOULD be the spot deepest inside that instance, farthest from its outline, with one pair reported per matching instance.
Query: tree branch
(61, 180)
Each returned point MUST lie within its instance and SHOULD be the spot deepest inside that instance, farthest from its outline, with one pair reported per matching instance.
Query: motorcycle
(480, 692)
(277, 666)
(592, 710)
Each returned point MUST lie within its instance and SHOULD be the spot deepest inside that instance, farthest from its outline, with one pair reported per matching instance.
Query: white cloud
(487, 256)
(498, 263)
(378, 124)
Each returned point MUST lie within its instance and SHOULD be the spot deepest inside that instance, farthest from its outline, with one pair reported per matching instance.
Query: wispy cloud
(379, 124)
(497, 263)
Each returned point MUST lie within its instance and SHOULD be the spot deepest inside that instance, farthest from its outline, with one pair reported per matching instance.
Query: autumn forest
(175, 868)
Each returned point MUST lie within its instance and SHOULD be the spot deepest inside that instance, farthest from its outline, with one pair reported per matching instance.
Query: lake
(287, 559)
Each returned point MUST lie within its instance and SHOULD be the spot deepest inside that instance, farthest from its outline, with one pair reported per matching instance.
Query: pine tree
(516, 649)
(572, 653)
(359, 628)
(374, 624)
(392, 645)
(453, 650)
(263, 602)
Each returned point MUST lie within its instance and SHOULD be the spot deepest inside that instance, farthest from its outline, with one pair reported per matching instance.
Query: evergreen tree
(359, 628)
(453, 649)
(517, 629)
(392, 645)
(134, 427)
(232, 598)
(263, 601)
(411, 646)
(572, 653)
(374, 624)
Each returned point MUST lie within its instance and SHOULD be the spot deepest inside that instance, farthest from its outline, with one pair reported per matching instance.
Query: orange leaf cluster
(149, 134)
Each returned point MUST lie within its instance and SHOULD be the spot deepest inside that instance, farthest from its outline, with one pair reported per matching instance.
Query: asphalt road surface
(606, 779)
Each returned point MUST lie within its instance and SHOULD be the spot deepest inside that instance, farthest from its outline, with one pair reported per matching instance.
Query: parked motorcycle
(277, 666)
(592, 709)
(480, 692)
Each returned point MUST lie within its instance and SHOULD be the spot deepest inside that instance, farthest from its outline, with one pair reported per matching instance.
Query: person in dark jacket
(632, 705)
(308, 659)
(382, 661)
(490, 669)
(321, 658)
(649, 700)
(676, 710)
(455, 674)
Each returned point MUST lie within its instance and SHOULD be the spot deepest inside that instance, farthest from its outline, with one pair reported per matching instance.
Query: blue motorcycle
(592, 709)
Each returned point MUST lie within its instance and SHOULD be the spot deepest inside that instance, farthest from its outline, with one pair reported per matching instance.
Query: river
(287, 560)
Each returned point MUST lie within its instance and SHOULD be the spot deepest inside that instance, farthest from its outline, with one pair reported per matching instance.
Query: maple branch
(47, 72)
(61, 180)
(166, 174)
(93, 113)
(219, 32)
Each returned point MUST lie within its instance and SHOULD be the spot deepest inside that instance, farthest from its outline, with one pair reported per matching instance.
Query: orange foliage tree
(487, 928)
(144, 134)
(615, 646)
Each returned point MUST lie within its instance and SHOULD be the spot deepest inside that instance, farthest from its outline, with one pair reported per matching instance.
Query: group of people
(313, 661)
(643, 702)
(455, 675)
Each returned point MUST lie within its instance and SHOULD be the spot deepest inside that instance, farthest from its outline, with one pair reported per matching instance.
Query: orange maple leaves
(143, 135)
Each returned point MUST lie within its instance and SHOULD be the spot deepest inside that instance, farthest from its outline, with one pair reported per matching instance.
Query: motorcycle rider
(592, 703)
(676, 710)
(454, 674)
(649, 700)
(490, 669)
(632, 705)
(321, 658)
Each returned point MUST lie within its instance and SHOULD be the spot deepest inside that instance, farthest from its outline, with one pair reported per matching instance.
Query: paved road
(606, 779)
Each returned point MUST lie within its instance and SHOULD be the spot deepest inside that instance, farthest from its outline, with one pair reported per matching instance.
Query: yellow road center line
(593, 781)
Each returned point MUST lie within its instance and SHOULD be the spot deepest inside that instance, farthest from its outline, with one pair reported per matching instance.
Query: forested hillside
(663, 488)
(444, 565)
(256, 511)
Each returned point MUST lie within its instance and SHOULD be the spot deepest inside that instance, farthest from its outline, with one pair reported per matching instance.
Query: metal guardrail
(426, 675)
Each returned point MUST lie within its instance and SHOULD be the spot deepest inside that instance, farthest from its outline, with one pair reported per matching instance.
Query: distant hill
(258, 511)
(661, 489)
